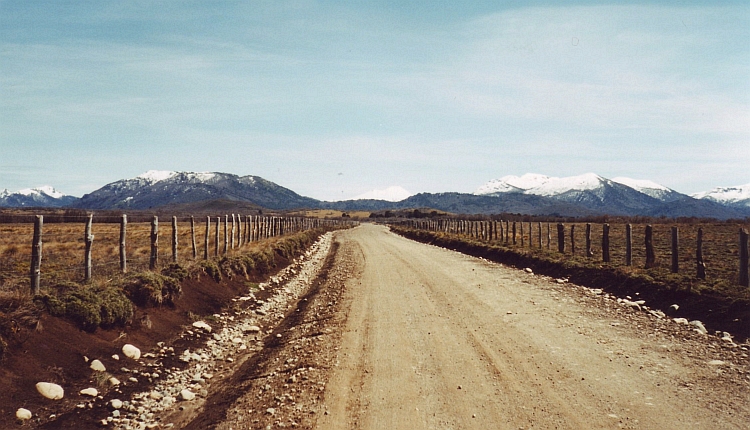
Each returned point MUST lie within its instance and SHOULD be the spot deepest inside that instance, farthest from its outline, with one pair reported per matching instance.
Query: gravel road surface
(438, 340)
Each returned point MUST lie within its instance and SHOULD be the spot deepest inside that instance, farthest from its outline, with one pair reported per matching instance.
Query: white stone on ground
(89, 392)
(131, 351)
(97, 366)
(202, 325)
(23, 414)
(187, 395)
(50, 390)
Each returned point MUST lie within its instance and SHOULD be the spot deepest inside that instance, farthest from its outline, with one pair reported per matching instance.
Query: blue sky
(334, 99)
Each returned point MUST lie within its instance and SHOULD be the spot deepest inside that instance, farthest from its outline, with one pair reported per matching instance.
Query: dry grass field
(720, 247)
(325, 213)
(63, 249)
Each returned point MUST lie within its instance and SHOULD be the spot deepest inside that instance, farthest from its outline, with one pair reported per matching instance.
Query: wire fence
(720, 255)
(127, 245)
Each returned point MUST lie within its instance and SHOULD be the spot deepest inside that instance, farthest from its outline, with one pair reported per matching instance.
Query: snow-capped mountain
(541, 185)
(45, 196)
(650, 188)
(158, 188)
(588, 190)
(732, 196)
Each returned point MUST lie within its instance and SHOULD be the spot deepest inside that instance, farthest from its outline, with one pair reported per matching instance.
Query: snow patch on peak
(45, 190)
(534, 183)
(393, 193)
(734, 194)
(640, 184)
(4, 193)
(154, 176)
(554, 186)
(512, 183)
(203, 176)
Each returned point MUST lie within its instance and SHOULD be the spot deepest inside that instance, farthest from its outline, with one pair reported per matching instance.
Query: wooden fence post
(589, 251)
(192, 237)
(507, 231)
(531, 244)
(233, 227)
(154, 260)
(650, 256)
(744, 278)
(174, 239)
(88, 239)
(572, 239)
(549, 237)
(539, 228)
(522, 236)
(560, 238)
(216, 236)
(123, 236)
(208, 231)
(226, 234)
(675, 251)
(240, 237)
(605, 243)
(36, 254)
(628, 245)
(700, 268)
(514, 232)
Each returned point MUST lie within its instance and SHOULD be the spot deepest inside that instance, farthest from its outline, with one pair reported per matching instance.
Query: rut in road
(436, 339)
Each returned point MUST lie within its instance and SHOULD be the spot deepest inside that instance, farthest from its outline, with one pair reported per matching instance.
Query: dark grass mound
(720, 307)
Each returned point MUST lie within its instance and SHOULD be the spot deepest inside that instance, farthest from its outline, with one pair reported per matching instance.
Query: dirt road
(437, 340)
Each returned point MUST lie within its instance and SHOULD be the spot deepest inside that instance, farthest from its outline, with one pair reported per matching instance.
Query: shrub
(211, 269)
(176, 271)
(90, 307)
(116, 308)
(152, 289)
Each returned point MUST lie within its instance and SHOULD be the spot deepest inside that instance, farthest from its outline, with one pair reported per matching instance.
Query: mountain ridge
(535, 194)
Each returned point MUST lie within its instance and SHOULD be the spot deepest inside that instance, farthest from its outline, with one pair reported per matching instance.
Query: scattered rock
(23, 414)
(187, 395)
(202, 325)
(270, 411)
(634, 305)
(674, 307)
(699, 327)
(528, 270)
(131, 351)
(97, 366)
(50, 390)
(716, 363)
(115, 403)
(681, 321)
(252, 329)
(93, 392)
(113, 381)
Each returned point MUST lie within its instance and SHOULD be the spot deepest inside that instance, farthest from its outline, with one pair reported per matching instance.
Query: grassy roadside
(721, 306)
